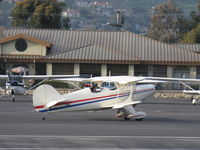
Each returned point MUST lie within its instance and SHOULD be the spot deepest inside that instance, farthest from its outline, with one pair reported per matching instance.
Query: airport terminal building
(100, 53)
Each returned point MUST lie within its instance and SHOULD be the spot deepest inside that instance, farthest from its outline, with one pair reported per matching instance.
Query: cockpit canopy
(109, 85)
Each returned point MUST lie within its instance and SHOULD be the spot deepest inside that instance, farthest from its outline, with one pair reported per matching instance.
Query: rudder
(45, 94)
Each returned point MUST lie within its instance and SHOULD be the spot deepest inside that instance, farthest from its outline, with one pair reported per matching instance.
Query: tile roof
(191, 47)
(94, 53)
(11, 38)
(107, 47)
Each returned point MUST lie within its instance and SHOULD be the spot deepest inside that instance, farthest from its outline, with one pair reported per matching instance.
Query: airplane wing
(49, 76)
(117, 79)
(3, 77)
(71, 79)
(41, 76)
(191, 91)
(133, 79)
(186, 80)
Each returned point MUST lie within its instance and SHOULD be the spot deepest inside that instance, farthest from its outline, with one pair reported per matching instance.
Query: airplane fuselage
(85, 99)
(16, 90)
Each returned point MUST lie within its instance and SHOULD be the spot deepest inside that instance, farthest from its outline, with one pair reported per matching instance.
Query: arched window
(181, 72)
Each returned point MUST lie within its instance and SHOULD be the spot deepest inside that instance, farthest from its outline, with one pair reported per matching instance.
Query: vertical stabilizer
(45, 94)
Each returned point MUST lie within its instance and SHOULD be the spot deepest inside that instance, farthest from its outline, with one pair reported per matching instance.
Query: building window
(115, 69)
(40, 68)
(181, 72)
(62, 69)
(2, 68)
(141, 70)
(160, 71)
(21, 45)
(90, 69)
(198, 72)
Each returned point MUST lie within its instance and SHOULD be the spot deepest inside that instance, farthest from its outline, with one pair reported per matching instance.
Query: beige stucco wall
(32, 49)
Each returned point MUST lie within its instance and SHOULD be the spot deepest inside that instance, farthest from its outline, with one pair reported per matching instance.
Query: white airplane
(192, 92)
(112, 92)
(15, 83)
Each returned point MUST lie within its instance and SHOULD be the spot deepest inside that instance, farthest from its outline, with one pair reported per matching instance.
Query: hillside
(137, 12)
(186, 5)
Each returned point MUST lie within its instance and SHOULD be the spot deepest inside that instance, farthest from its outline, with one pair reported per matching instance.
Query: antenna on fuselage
(109, 74)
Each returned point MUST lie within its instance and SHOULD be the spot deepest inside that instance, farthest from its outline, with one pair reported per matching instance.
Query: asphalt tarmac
(169, 124)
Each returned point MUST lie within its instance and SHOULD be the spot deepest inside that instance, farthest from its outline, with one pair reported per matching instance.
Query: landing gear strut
(44, 116)
(13, 96)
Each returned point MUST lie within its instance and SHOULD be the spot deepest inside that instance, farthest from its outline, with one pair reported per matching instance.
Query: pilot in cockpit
(95, 88)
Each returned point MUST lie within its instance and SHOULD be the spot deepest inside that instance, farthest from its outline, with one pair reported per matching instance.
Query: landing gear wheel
(126, 118)
(194, 101)
(140, 119)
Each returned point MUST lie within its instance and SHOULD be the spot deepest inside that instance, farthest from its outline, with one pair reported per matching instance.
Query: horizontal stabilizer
(191, 91)
(50, 104)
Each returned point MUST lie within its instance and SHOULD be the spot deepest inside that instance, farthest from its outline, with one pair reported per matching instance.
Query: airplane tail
(44, 96)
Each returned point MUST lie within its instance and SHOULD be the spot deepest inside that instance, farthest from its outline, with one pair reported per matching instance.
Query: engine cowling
(19, 91)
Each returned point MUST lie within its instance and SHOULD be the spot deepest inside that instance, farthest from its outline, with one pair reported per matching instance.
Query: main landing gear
(194, 101)
(135, 117)
(128, 112)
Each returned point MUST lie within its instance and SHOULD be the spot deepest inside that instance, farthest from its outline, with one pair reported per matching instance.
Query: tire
(126, 118)
(140, 119)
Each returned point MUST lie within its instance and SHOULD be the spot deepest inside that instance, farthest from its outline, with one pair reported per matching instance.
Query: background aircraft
(15, 81)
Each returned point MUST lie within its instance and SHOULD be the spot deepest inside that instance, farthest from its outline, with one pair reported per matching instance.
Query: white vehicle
(112, 92)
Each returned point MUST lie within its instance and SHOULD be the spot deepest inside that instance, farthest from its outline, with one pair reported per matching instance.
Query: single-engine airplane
(15, 83)
(111, 92)
(192, 92)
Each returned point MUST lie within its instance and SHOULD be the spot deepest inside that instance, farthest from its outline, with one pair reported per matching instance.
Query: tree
(167, 23)
(37, 14)
(195, 16)
(66, 22)
(193, 36)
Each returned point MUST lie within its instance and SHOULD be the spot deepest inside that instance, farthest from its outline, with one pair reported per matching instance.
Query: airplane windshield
(109, 85)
